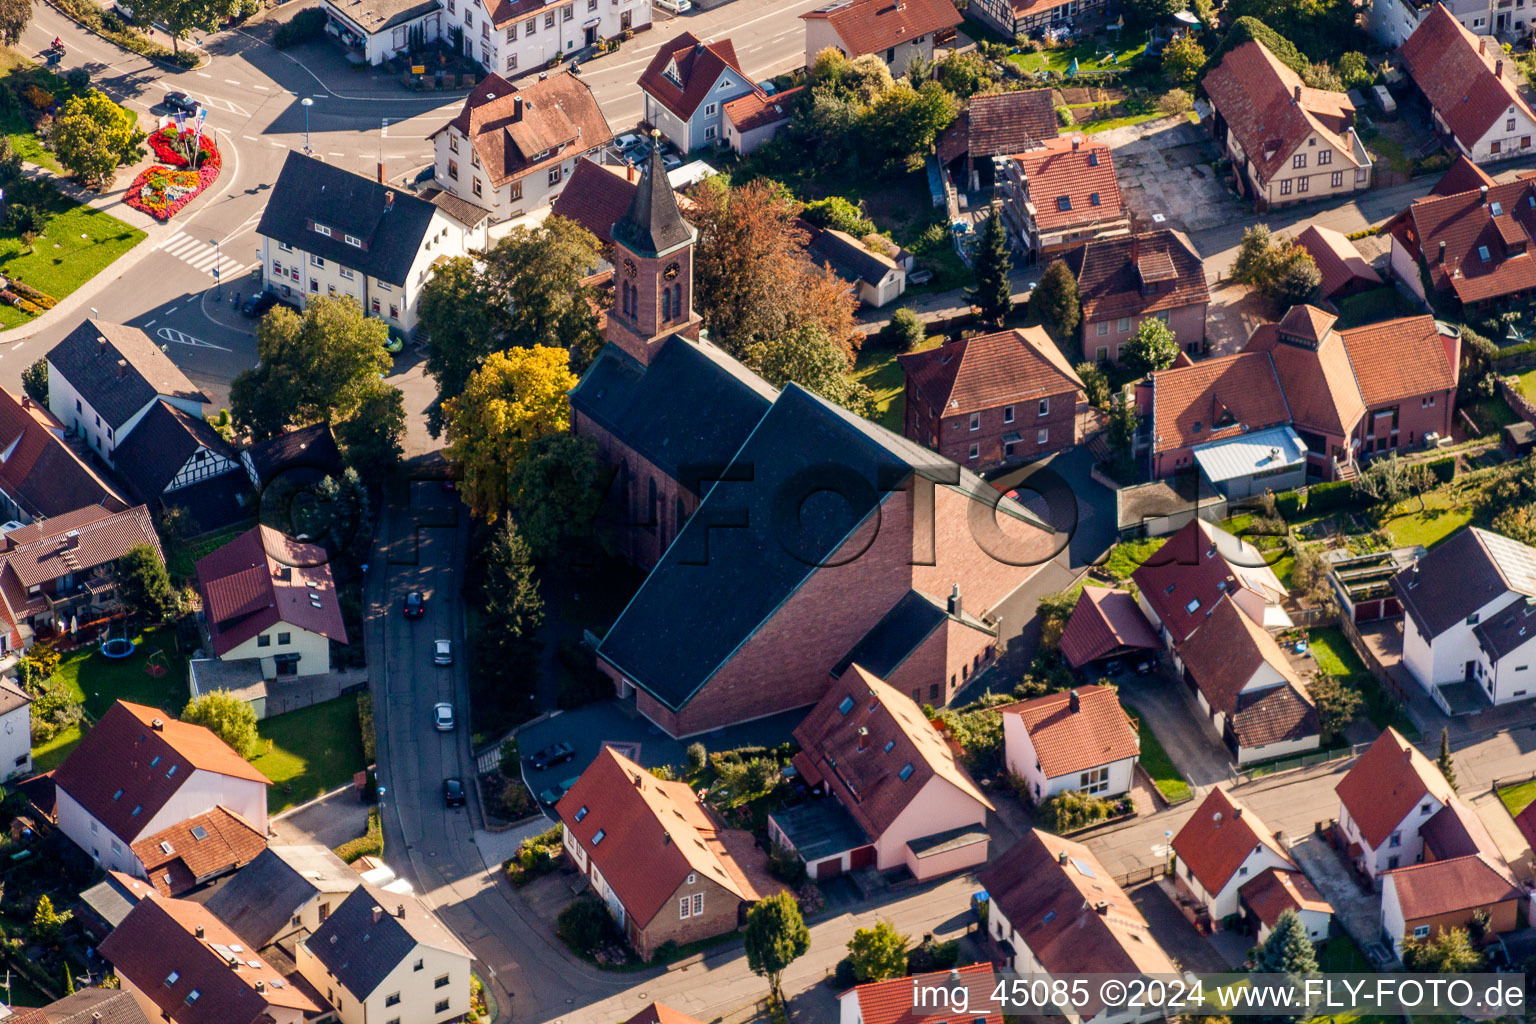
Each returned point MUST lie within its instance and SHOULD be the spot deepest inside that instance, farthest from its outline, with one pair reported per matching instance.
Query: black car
(415, 605)
(453, 793)
(257, 305)
(182, 102)
(555, 753)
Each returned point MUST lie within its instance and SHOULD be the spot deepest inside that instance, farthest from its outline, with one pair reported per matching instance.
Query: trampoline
(116, 646)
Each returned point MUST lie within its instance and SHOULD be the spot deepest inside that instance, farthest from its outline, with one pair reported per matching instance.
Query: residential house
(1344, 394)
(1242, 680)
(1060, 195)
(384, 956)
(270, 598)
(1080, 740)
(597, 197)
(1288, 142)
(1472, 87)
(376, 30)
(1385, 801)
(891, 1002)
(87, 1006)
(191, 853)
(1123, 281)
(1393, 21)
(40, 475)
(1278, 890)
(104, 905)
(1055, 910)
(754, 118)
(104, 378)
(303, 455)
(1194, 569)
(1030, 17)
(15, 730)
(1106, 623)
(869, 747)
(327, 231)
(687, 85)
(893, 30)
(138, 772)
(181, 964)
(1224, 854)
(995, 125)
(671, 415)
(62, 568)
(995, 398)
(661, 1013)
(874, 276)
(1344, 271)
(1470, 614)
(284, 891)
(1418, 901)
(176, 460)
(519, 37)
(511, 149)
(1473, 247)
(672, 872)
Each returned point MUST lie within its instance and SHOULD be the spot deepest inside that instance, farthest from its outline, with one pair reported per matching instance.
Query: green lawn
(1443, 515)
(876, 368)
(98, 681)
(1528, 384)
(1091, 55)
(1383, 303)
(1494, 414)
(1518, 797)
(1333, 654)
(1129, 555)
(14, 124)
(48, 756)
(182, 555)
(1340, 955)
(1158, 764)
(311, 751)
(1390, 152)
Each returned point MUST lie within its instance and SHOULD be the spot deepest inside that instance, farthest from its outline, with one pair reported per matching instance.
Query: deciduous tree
(1183, 59)
(557, 492)
(1055, 300)
(462, 324)
(14, 16)
(182, 16)
(806, 356)
(775, 937)
(1337, 702)
(993, 294)
(879, 952)
(373, 437)
(92, 135)
(34, 382)
(906, 330)
(1450, 952)
(536, 275)
(228, 717)
(1153, 347)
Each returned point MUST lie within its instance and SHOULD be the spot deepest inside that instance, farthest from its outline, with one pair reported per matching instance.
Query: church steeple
(653, 266)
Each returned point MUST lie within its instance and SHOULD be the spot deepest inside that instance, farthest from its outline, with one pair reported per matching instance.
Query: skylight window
(889, 744)
(906, 772)
(1093, 158)
(845, 706)
(1193, 606)
(136, 811)
(193, 996)
(1497, 208)
(172, 978)
(1093, 199)
(171, 773)
(1063, 203)
(118, 795)
(1482, 253)
(166, 848)
(581, 812)
(199, 833)
(602, 834)
(156, 762)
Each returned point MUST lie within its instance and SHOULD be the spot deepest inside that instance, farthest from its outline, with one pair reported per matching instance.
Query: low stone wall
(1522, 406)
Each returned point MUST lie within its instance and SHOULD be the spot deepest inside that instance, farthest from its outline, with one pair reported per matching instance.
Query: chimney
(261, 986)
(378, 912)
(1135, 248)
(158, 725)
(954, 600)
(1408, 754)
(400, 910)
(72, 539)
(1296, 96)
(199, 931)
(1237, 814)
(517, 107)
(1442, 260)
(381, 172)
(101, 347)
(1077, 143)
(863, 738)
(1482, 45)
(1062, 858)
(1102, 906)
(389, 200)
(1074, 702)
(629, 171)
(122, 368)
(1483, 191)
(26, 403)
(1498, 69)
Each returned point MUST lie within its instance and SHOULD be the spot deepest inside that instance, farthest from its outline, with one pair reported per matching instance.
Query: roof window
(1482, 253)
(1093, 199)
(1193, 606)
(906, 772)
(118, 795)
(581, 812)
(602, 834)
(199, 833)
(1497, 208)
(1063, 203)
(845, 706)
(889, 744)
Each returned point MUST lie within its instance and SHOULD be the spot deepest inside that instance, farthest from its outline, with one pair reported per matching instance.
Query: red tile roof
(1465, 224)
(262, 578)
(44, 550)
(758, 109)
(595, 196)
(1315, 376)
(865, 768)
(1337, 259)
(990, 371)
(1220, 837)
(1461, 76)
(1072, 181)
(1464, 176)
(510, 126)
(1000, 124)
(1258, 97)
(660, 1013)
(1276, 891)
(685, 70)
(1113, 275)
(170, 949)
(1387, 784)
(891, 1002)
(1398, 359)
(1102, 622)
(1199, 565)
(661, 833)
(1216, 399)
(128, 767)
(1437, 887)
(38, 470)
(872, 26)
(1068, 741)
(188, 853)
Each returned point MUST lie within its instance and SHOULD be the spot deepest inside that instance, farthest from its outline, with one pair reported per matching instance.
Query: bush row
(369, 845)
(110, 27)
(1337, 494)
(305, 26)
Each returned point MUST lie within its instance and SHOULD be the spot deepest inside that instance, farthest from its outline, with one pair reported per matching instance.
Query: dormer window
(322, 230)
(354, 241)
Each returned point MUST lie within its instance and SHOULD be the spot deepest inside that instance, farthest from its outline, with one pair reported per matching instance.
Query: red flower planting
(161, 191)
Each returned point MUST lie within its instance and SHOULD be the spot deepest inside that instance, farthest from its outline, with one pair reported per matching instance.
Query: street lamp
(218, 279)
(308, 102)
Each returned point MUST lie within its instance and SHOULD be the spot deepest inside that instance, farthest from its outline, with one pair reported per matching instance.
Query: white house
(1222, 849)
(1081, 740)
(1393, 21)
(891, 1002)
(1243, 681)
(1472, 86)
(874, 277)
(523, 36)
(756, 117)
(379, 29)
(173, 459)
(871, 749)
(191, 853)
(1469, 607)
(270, 598)
(1386, 801)
(384, 957)
(1277, 890)
(327, 231)
(15, 730)
(138, 772)
(1419, 900)
(512, 149)
(686, 87)
(1054, 909)
(104, 378)
(893, 30)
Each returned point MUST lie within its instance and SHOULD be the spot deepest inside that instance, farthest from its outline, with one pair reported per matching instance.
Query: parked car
(671, 162)
(182, 102)
(415, 606)
(442, 653)
(453, 793)
(442, 717)
(675, 6)
(628, 141)
(553, 794)
(555, 753)
(1143, 666)
(424, 176)
(768, 87)
(1112, 667)
(257, 305)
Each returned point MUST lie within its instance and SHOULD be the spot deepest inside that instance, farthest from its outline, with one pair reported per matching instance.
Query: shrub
(1072, 810)
(933, 956)
(585, 926)
(785, 865)
(698, 757)
(306, 26)
(906, 330)
(37, 97)
(512, 801)
(840, 214)
(21, 218)
(365, 725)
(370, 844)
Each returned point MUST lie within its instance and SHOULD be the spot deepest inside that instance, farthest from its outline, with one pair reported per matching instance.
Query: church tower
(652, 267)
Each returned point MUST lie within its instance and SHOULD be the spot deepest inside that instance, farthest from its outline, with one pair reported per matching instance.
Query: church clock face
(672, 271)
(630, 270)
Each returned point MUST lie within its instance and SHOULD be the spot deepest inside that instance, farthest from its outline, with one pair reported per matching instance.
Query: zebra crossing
(202, 256)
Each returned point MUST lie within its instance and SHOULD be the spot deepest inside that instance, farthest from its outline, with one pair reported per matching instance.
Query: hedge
(1514, 352)
(1336, 494)
(369, 845)
(305, 26)
(1444, 469)
(111, 28)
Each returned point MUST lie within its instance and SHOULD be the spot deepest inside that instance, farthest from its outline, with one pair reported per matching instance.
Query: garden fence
(1289, 764)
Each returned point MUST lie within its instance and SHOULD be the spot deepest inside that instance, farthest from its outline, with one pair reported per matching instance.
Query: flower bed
(162, 190)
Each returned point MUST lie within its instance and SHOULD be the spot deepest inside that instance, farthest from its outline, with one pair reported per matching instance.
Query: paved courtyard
(1166, 170)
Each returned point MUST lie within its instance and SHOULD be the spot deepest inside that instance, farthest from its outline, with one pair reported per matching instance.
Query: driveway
(1359, 912)
(328, 821)
(1185, 946)
(1167, 706)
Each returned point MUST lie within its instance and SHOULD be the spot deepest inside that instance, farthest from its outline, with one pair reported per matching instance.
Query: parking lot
(1166, 170)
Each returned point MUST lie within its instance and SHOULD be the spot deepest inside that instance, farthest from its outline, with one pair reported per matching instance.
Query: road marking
(17, 345)
(172, 310)
(201, 256)
(263, 88)
(231, 81)
(250, 138)
(152, 323)
(173, 335)
(203, 74)
(279, 145)
(336, 154)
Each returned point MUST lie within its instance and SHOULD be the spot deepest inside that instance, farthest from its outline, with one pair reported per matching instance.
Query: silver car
(442, 653)
(442, 717)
